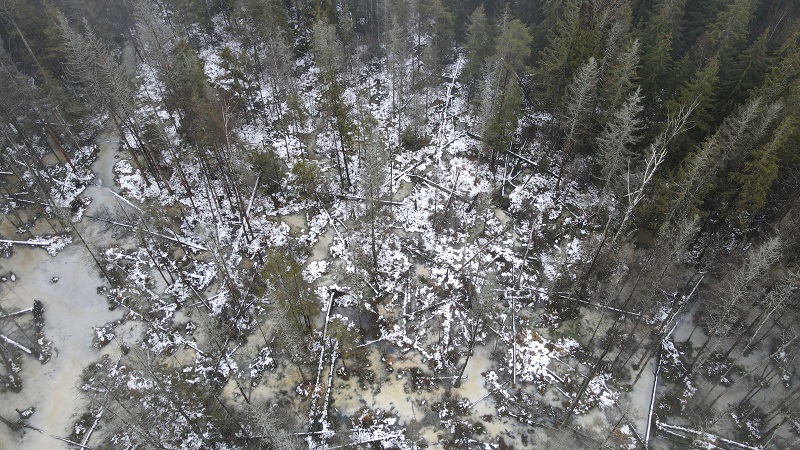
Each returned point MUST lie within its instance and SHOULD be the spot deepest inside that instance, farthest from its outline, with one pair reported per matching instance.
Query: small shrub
(413, 142)
(308, 177)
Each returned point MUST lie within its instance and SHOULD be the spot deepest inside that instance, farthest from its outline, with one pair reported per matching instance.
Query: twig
(597, 305)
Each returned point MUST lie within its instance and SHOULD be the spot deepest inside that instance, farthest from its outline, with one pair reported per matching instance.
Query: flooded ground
(72, 307)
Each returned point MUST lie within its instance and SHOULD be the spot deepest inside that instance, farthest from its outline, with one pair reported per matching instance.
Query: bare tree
(637, 184)
(725, 310)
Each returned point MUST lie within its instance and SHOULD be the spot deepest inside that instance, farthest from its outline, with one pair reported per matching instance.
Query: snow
(314, 270)
(51, 244)
(430, 285)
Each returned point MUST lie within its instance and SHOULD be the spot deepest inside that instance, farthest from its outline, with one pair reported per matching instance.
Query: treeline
(609, 72)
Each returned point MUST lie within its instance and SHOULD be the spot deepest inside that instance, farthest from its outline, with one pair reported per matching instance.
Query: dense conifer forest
(399, 224)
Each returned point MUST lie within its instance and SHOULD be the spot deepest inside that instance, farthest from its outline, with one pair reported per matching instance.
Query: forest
(399, 224)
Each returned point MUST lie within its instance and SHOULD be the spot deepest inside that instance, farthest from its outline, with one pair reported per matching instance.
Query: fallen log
(16, 344)
(152, 233)
(364, 199)
(16, 313)
(32, 242)
(440, 187)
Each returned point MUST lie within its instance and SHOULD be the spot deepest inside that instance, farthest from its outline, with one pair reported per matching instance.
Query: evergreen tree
(29, 29)
(729, 32)
(658, 37)
(103, 81)
(616, 34)
(616, 142)
(513, 46)
(618, 78)
(746, 72)
(398, 53)
(727, 308)
(328, 57)
(290, 291)
(501, 93)
(373, 178)
(477, 48)
(550, 12)
(727, 37)
(579, 108)
(498, 134)
(556, 61)
(267, 34)
(700, 172)
(781, 80)
(697, 16)
(751, 185)
(437, 27)
(701, 91)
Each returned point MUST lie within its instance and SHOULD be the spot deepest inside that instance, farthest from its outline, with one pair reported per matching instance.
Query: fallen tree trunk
(17, 313)
(440, 187)
(16, 344)
(132, 227)
(364, 199)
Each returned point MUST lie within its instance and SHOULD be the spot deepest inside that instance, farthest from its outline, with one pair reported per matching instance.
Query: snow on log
(16, 344)
(17, 313)
(598, 305)
(88, 435)
(70, 442)
(676, 430)
(652, 400)
(364, 199)
(375, 439)
(53, 244)
(405, 172)
(128, 226)
(440, 187)
(126, 201)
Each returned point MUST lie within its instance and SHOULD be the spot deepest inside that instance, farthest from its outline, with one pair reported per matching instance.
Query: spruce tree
(556, 60)
(579, 108)
(501, 94)
(658, 36)
(616, 142)
(618, 77)
(746, 72)
(751, 185)
(700, 90)
(478, 47)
